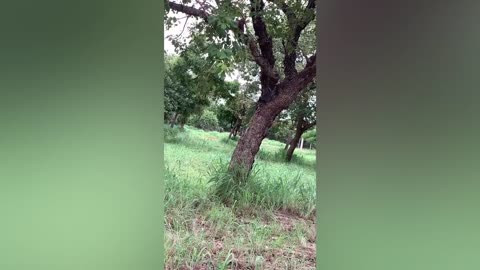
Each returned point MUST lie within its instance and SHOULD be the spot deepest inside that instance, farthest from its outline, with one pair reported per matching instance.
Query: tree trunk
(183, 120)
(301, 127)
(173, 120)
(289, 139)
(249, 143)
(270, 104)
(233, 132)
(293, 144)
(235, 128)
(273, 100)
(232, 126)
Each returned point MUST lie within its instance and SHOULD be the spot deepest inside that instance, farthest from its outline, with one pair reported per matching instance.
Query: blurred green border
(81, 135)
(162, 101)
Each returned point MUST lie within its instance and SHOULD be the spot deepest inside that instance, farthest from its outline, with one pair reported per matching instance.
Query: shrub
(207, 121)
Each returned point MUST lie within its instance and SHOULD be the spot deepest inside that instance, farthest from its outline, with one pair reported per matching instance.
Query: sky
(175, 30)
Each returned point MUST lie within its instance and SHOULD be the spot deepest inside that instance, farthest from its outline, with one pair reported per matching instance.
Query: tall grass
(214, 221)
(262, 190)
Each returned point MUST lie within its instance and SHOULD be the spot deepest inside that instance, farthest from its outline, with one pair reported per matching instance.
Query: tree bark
(302, 126)
(183, 120)
(173, 120)
(287, 143)
(236, 128)
(241, 131)
(249, 143)
(294, 142)
(284, 93)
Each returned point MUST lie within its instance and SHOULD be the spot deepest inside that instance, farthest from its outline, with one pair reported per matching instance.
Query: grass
(268, 223)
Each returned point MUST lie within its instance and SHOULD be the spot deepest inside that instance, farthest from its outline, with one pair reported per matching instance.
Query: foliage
(186, 92)
(281, 129)
(305, 106)
(237, 108)
(220, 32)
(311, 136)
(206, 121)
(182, 95)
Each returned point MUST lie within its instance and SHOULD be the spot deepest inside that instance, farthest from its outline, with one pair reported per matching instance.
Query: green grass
(268, 223)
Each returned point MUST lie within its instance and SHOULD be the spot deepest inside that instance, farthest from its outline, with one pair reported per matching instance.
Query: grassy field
(269, 226)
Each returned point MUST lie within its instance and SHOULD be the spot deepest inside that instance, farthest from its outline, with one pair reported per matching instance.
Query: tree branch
(300, 81)
(264, 40)
(296, 25)
(261, 49)
(192, 11)
(311, 4)
(308, 126)
(284, 7)
(265, 66)
(184, 25)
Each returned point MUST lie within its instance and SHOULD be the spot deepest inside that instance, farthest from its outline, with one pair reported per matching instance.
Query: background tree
(281, 128)
(182, 97)
(228, 28)
(304, 113)
(186, 93)
(311, 137)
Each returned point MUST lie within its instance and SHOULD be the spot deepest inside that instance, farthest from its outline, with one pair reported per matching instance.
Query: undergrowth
(214, 220)
(260, 190)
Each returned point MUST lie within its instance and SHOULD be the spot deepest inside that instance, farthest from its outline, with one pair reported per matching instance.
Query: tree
(281, 128)
(311, 137)
(184, 95)
(229, 33)
(304, 113)
(236, 110)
